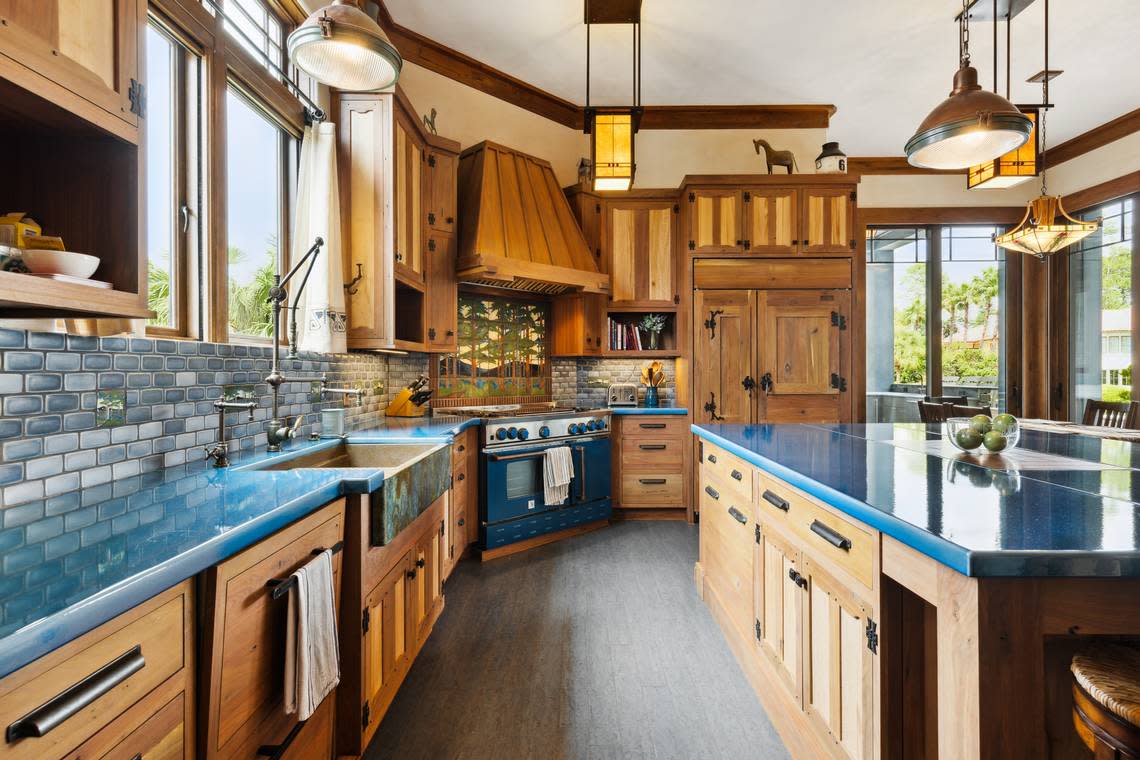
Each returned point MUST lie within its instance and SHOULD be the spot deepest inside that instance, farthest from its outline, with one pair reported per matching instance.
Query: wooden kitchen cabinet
(724, 321)
(578, 324)
(440, 184)
(442, 294)
(827, 221)
(714, 220)
(726, 518)
(771, 220)
(638, 252)
(650, 462)
(460, 525)
(244, 638)
(427, 580)
(408, 151)
(778, 604)
(389, 636)
(82, 55)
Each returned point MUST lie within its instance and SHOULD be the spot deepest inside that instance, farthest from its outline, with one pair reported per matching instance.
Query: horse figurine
(773, 157)
(430, 122)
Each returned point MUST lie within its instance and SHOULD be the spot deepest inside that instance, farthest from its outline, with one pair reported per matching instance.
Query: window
(260, 26)
(259, 174)
(171, 126)
(1100, 309)
(935, 318)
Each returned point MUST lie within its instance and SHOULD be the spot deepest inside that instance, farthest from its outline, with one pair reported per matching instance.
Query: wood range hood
(516, 230)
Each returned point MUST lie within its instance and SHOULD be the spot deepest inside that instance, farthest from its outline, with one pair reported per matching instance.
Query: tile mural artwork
(502, 351)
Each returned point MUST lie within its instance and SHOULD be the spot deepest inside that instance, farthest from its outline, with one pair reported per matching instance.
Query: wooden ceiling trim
(890, 165)
(1102, 193)
(1097, 137)
(918, 215)
(737, 117)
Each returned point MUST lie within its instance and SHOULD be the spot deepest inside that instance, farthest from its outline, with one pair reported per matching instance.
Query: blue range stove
(513, 447)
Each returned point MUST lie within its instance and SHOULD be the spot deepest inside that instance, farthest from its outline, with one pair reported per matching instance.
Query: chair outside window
(1113, 414)
(929, 411)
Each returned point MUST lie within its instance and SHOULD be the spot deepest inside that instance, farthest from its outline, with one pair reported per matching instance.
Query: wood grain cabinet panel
(409, 156)
(714, 220)
(724, 340)
(441, 183)
(778, 604)
(771, 221)
(389, 636)
(442, 294)
(161, 737)
(427, 580)
(827, 221)
(578, 325)
(639, 249)
(724, 517)
(244, 631)
(87, 50)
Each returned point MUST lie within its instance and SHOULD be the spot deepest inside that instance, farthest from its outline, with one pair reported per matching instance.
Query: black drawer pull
(796, 578)
(711, 458)
(652, 446)
(278, 750)
(652, 425)
(838, 540)
(776, 501)
(67, 703)
(738, 515)
(712, 492)
(737, 475)
(652, 481)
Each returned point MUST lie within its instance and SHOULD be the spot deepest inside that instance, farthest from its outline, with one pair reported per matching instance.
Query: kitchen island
(914, 601)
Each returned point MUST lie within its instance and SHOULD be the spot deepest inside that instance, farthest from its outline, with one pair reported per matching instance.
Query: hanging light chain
(964, 34)
(1044, 111)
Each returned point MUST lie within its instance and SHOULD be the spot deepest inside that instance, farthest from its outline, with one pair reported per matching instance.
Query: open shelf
(621, 325)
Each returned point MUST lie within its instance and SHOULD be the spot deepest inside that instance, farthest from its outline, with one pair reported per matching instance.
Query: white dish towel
(312, 656)
(557, 471)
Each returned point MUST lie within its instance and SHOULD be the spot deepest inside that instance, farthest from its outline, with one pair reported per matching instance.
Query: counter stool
(1106, 700)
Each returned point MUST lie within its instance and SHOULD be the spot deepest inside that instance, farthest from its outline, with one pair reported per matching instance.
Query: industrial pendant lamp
(971, 126)
(342, 47)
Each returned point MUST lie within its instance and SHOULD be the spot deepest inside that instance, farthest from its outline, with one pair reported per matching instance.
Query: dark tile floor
(594, 647)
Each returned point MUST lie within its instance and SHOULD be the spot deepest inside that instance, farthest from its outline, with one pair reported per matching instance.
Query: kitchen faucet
(220, 452)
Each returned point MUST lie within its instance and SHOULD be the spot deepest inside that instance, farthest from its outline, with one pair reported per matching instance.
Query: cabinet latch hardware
(872, 636)
(766, 383)
(748, 383)
(365, 620)
(431, 218)
(838, 320)
(838, 383)
(797, 578)
(710, 407)
(710, 323)
(759, 637)
(351, 286)
(137, 95)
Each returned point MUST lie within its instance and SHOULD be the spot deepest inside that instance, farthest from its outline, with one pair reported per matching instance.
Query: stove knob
(573, 429)
(590, 425)
(599, 424)
(523, 434)
(501, 434)
(544, 432)
(513, 433)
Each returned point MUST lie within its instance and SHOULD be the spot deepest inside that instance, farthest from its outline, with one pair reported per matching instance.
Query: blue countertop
(620, 411)
(978, 520)
(69, 564)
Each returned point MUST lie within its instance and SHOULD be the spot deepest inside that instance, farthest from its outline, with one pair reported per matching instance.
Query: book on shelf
(624, 336)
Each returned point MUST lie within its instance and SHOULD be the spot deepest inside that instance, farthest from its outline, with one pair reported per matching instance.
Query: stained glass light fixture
(1010, 169)
(342, 47)
(613, 130)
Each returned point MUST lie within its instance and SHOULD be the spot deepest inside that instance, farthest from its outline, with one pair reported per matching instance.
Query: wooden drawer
(727, 468)
(140, 650)
(460, 446)
(774, 500)
(652, 452)
(644, 489)
(642, 426)
(162, 736)
(245, 635)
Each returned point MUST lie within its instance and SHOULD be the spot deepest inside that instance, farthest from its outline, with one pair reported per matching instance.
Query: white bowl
(43, 261)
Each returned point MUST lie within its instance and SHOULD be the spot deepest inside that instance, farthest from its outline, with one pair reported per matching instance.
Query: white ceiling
(883, 63)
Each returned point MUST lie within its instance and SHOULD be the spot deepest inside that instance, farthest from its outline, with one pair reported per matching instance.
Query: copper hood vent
(516, 230)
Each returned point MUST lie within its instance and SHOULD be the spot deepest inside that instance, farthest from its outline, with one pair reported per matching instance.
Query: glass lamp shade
(613, 135)
(1045, 229)
(1009, 169)
(970, 127)
(342, 47)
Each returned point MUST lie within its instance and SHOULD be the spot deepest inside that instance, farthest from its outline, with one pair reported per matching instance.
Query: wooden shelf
(629, 307)
(660, 354)
(22, 295)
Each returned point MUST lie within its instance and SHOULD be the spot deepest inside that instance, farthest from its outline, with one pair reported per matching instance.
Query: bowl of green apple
(982, 434)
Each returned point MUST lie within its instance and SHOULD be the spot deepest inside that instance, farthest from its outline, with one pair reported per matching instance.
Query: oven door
(513, 483)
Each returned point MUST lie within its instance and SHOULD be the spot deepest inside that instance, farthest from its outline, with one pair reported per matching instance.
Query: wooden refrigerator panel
(722, 354)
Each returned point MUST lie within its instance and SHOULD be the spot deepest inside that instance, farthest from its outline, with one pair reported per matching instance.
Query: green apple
(1003, 423)
(968, 439)
(994, 441)
(980, 424)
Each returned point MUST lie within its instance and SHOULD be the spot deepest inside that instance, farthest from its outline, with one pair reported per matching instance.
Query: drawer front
(161, 737)
(652, 453)
(124, 665)
(728, 468)
(652, 489)
(248, 634)
(775, 501)
(460, 446)
(656, 427)
(739, 489)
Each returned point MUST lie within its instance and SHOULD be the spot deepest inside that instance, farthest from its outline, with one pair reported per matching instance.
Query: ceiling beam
(1097, 137)
(464, 69)
(890, 165)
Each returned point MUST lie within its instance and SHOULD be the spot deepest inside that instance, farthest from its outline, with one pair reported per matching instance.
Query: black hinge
(431, 220)
(137, 95)
(747, 245)
(431, 333)
(676, 299)
(431, 243)
(692, 245)
(758, 636)
(838, 320)
(852, 195)
(365, 620)
(431, 161)
(365, 715)
(853, 244)
(872, 636)
(839, 383)
(676, 208)
(597, 208)
(692, 197)
(758, 538)
(747, 197)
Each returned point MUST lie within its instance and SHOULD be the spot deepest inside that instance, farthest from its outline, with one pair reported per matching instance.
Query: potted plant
(653, 324)
(652, 377)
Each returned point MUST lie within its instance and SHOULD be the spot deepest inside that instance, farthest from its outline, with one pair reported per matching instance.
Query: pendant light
(613, 130)
(342, 47)
(1046, 227)
(971, 126)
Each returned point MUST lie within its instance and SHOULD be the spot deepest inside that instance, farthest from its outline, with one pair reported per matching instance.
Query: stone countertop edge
(997, 563)
(622, 411)
(42, 636)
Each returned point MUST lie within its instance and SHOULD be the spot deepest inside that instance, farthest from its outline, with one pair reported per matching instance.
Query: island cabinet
(243, 634)
(394, 596)
(650, 458)
(148, 653)
(795, 585)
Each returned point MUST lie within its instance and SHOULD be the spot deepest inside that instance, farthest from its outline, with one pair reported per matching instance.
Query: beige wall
(1101, 165)
(936, 190)
(665, 156)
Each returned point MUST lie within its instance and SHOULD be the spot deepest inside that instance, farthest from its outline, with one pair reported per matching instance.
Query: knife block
(402, 406)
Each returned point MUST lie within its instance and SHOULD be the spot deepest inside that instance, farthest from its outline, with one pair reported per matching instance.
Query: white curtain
(322, 320)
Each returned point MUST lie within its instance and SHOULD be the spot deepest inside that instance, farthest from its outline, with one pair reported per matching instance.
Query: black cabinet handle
(796, 578)
(652, 446)
(651, 481)
(711, 492)
(58, 709)
(738, 515)
(737, 475)
(651, 425)
(828, 534)
(776, 501)
(711, 458)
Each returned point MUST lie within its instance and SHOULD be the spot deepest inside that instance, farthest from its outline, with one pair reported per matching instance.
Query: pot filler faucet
(281, 429)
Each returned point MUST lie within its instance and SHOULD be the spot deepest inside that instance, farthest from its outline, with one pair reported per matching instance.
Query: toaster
(622, 394)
